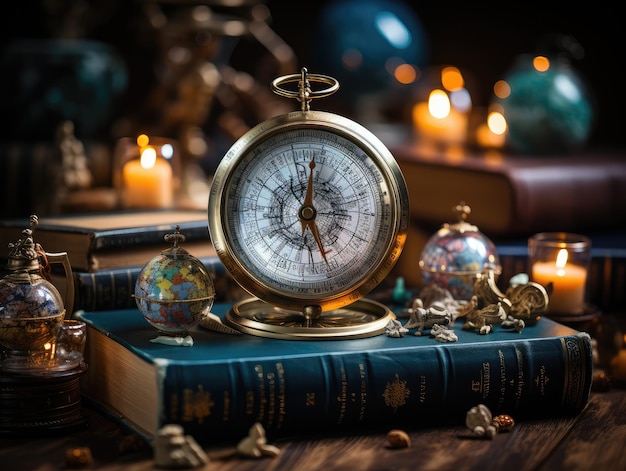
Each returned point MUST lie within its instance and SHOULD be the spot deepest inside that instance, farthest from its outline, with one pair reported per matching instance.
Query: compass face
(308, 209)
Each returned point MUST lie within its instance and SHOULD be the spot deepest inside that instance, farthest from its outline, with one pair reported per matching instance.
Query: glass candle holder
(147, 172)
(560, 262)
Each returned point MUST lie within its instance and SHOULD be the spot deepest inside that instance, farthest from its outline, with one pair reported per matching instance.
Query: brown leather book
(517, 195)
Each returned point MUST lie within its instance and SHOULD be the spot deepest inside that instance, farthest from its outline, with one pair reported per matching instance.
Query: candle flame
(142, 140)
(438, 104)
(561, 261)
(148, 157)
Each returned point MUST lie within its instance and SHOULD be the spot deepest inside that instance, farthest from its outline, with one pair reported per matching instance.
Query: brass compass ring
(304, 94)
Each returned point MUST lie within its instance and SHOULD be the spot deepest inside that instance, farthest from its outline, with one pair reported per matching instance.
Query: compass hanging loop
(305, 94)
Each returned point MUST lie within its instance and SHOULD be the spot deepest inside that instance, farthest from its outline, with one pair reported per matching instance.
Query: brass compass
(308, 211)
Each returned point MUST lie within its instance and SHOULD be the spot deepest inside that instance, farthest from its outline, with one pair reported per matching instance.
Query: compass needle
(308, 213)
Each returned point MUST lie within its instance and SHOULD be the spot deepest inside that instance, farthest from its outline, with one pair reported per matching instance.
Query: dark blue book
(112, 240)
(217, 388)
(107, 290)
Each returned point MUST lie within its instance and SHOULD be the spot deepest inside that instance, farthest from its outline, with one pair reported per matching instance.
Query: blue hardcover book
(217, 388)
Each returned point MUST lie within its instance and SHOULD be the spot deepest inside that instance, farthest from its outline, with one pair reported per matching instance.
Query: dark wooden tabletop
(592, 440)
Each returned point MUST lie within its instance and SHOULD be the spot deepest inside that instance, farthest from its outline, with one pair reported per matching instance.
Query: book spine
(113, 289)
(122, 238)
(417, 387)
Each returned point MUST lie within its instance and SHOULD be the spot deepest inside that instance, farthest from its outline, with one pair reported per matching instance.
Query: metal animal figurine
(426, 318)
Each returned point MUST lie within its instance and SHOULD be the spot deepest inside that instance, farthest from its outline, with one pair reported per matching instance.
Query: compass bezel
(398, 206)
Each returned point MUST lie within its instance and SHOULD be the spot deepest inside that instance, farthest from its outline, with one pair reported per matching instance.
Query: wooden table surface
(592, 440)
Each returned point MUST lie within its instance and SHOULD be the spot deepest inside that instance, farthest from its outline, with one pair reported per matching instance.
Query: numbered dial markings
(308, 210)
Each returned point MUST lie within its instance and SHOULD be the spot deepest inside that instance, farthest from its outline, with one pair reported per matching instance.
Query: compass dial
(308, 209)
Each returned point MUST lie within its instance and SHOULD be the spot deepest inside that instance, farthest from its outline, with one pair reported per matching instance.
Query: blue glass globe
(359, 42)
(548, 112)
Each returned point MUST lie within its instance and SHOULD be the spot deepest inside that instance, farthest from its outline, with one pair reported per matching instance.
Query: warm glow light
(496, 123)
(501, 89)
(451, 78)
(351, 59)
(561, 261)
(142, 140)
(541, 63)
(148, 157)
(405, 74)
(438, 104)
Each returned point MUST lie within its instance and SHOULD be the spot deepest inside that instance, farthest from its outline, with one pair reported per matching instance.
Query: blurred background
(79, 76)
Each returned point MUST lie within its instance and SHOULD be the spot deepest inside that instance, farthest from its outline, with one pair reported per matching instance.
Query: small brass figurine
(523, 304)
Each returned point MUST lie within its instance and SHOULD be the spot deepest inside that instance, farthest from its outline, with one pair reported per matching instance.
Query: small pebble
(504, 423)
(78, 457)
(398, 439)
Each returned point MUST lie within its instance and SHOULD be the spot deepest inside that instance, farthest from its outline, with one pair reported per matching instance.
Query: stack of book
(221, 385)
(107, 251)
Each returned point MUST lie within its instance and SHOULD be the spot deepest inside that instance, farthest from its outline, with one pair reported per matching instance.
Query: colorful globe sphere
(174, 291)
(455, 255)
(31, 312)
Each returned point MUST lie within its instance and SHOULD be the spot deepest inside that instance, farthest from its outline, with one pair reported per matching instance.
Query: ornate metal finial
(463, 210)
(304, 90)
(24, 252)
(176, 237)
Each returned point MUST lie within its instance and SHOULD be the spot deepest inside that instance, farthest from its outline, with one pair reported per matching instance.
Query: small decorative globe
(174, 291)
(31, 308)
(455, 255)
(31, 313)
(547, 111)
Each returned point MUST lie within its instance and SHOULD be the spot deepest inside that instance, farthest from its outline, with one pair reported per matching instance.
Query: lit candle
(568, 284)
(438, 121)
(148, 181)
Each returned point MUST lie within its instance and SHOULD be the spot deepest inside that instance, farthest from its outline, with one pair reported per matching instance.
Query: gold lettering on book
(196, 405)
(396, 393)
(363, 377)
(249, 402)
(486, 380)
(309, 399)
(262, 399)
(280, 371)
(271, 399)
(422, 389)
(343, 396)
(541, 380)
(519, 393)
(502, 378)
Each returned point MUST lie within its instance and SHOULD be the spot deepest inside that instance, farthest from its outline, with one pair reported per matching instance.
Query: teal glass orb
(359, 42)
(547, 111)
